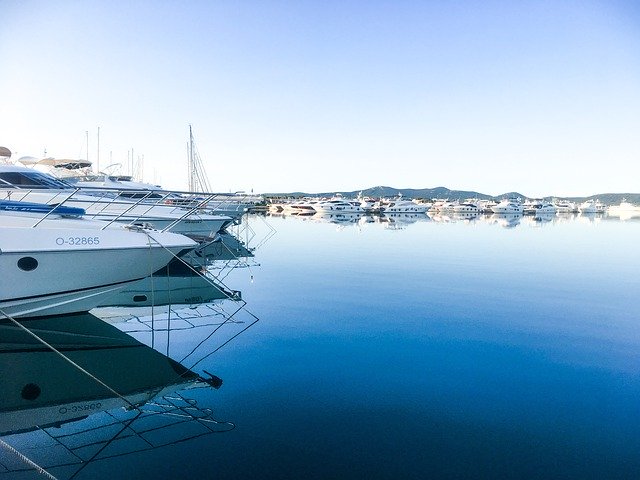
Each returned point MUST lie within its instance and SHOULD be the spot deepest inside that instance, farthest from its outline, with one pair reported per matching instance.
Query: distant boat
(587, 207)
(539, 207)
(403, 206)
(508, 207)
(564, 206)
(625, 210)
(337, 205)
(466, 208)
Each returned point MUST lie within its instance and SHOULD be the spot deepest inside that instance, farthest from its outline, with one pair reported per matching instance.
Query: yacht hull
(65, 266)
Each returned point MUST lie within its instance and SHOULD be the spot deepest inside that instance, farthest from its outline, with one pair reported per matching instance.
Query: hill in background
(443, 192)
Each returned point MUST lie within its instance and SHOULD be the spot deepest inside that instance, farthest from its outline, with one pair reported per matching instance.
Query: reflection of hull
(624, 211)
(45, 390)
(169, 290)
(544, 217)
(224, 247)
(465, 215)
(62, 303)
(339, 218)
(507, 220)
(61, 413)
(401, 219)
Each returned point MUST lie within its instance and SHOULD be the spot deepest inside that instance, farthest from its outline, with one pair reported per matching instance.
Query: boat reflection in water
(506, 220)
(98, 395)
(400, 220)
(346, 218)
(177, 284)
(391, 221)
(185, 283)
(224, 246)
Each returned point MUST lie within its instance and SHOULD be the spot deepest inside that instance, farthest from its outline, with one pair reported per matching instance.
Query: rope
(26, 460)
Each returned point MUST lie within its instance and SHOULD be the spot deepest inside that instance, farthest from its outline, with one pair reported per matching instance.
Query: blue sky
(541, 97)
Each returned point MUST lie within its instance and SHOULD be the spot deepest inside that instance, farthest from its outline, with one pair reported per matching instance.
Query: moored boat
(54, 264)
(508, 207)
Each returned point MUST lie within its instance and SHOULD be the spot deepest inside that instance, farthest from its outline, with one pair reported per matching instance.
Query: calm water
(427, 349)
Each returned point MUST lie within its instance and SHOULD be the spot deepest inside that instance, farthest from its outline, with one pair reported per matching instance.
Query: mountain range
(443, 192)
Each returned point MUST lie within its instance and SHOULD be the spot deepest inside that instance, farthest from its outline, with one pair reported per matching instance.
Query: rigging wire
(27, 460)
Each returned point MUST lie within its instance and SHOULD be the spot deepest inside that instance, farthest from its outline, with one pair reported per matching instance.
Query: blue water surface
(423, 350)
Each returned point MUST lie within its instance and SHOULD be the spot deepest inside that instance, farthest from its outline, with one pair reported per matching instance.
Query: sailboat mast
(198, 181)
(192, 186)
(98, 152)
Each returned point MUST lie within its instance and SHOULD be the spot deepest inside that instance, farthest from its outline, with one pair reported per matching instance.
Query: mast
(98, 152)
(198, 181)
(192, 180)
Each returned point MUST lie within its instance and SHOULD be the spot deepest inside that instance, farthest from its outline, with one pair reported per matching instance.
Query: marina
(404, 245)
(377, 330)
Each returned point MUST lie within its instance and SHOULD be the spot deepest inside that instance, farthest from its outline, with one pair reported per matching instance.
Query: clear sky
(542, 97)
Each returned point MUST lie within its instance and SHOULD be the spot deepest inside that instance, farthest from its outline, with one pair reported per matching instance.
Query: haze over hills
(443, 192)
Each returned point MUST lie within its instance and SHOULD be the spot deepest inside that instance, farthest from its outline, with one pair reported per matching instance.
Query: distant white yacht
(539, 207)
(625, 210)
(508, 207)
(588, 207)
(403, 206)
(565, 206)
(337, 205)
(466, 208)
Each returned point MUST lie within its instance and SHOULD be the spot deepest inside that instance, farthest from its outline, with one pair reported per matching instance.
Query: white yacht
(448, 206)
(508, 207)
(303, 207)
(337, 205)
(565, 206)
(403, 206)
(587, 207)
(466, 208)
(53, 261)
(539, 207)
(28, 185)
(625, 210)
(370, 205)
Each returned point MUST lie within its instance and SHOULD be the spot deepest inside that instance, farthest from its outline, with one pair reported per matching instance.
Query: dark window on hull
(27, 264)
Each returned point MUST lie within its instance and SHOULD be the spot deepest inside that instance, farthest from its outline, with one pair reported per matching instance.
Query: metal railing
(132, 206)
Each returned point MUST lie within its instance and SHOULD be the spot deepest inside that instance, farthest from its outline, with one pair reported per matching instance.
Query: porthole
(30, 391)
(139, 298)
(27, 264)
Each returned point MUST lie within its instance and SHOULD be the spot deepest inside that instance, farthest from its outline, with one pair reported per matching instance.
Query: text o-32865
(78, 241)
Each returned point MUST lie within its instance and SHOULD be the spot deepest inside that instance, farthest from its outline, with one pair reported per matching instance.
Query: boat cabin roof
(12, 176)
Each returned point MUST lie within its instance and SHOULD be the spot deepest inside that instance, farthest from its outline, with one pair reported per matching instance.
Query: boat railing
(131, 206)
